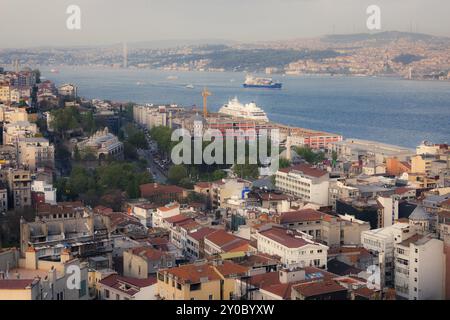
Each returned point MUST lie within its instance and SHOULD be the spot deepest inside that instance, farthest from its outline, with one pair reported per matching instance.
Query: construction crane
(205, 95)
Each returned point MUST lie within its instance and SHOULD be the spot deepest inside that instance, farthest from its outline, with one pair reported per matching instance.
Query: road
(158, 174)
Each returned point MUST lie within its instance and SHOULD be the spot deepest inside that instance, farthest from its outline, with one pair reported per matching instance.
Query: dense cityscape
(90, 183)
(245, 173)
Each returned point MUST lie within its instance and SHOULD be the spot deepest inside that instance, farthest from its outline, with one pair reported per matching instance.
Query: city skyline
(103, 22)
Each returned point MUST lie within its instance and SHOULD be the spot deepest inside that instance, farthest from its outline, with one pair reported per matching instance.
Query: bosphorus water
(389, 110)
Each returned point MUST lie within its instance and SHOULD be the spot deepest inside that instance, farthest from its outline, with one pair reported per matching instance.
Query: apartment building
(144, 262)
(308, 183)
(38, 278)
(200, 281)
(420, 268)
(36, 152)
(14, 131)
(331, 230)
(221, 241)
(18, 182)
(293, 247)
(167, 211)
(381, 242)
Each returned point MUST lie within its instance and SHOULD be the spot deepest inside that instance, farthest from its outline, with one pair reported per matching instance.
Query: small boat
(172, 78)
(54, 70)
(190, 86)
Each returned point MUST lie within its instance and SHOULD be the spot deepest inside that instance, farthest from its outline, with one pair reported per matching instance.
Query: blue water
(388, 110)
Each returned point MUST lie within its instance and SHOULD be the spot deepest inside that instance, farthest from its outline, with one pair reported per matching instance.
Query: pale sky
(26, 23)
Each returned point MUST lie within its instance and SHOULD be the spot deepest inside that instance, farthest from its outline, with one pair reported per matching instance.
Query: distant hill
(386, 36)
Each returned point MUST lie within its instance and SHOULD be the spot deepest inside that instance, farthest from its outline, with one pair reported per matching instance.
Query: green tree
(284, 163)
(177, 173)
(246, 171)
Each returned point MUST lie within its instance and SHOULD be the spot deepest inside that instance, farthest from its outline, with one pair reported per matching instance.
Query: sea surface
(390, 110)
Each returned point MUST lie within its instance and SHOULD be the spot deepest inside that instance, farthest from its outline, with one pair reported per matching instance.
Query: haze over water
(389, 110)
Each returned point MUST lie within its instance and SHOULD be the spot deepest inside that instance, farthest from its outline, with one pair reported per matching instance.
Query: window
(82, 291)
(195, 286)
(107, 294)
(210, 297)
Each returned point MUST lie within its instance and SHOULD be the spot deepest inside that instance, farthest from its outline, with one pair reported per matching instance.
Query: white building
(46, 188)
(68, 90)
(420, 268)
(303, 181)
(115, 287)
(293, 247)
(152, 116)
(162, 213)
(381, 242)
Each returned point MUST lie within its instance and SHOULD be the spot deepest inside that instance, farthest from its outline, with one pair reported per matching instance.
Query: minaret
(170, 119)
(125, 55)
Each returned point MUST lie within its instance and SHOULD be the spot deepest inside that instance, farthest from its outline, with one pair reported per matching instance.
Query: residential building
(167, 211)
(115, 287)
(308, 183)
(292, 247)
(221, 241)
(420, 268)
(381, 242)
(36, 152)
(14, 131)
(144, 262)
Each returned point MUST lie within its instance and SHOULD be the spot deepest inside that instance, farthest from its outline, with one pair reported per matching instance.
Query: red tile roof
(192, 273)
(202, 233)
(127, 285)
(178, 219)
(152, 189)
(306, 169)
(148, 252)
(315, 288)
(300, 216)
(228, 268)
(284, 237)
(16, 284)
(226, 241)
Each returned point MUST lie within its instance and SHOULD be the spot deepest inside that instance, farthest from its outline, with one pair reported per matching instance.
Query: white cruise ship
(248, 111)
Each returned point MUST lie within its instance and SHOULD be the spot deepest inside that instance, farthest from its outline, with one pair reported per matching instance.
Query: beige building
(142, 262)
(200, 281)
(19, 185)
(34, 278)
(12, 132)
(36, 152)
(12, 114)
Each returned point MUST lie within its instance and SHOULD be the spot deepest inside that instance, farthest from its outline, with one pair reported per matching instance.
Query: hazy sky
(43, 22)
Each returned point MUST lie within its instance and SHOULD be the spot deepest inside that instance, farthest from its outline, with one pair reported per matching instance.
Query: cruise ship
(247, 111)
(253, 82)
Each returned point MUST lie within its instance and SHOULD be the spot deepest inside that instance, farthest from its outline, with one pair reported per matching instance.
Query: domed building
(421, 220)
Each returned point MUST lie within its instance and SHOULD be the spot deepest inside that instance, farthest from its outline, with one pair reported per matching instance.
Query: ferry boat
(247, 111)
(254, 82)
